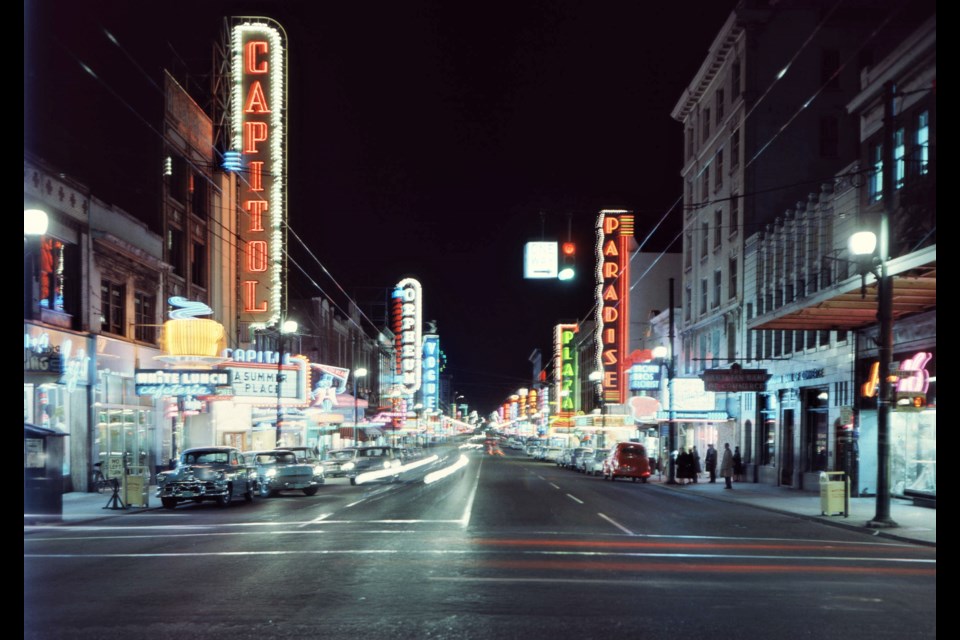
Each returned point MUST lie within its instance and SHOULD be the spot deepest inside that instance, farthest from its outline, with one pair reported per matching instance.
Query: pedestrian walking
(697, 467)
(684, 466)
(726, 465)
(737, 465)
(711, 460)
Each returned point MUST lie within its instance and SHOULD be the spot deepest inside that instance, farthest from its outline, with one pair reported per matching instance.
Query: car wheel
(353, 480)
(224, 500)
(169, 503)
(248, 496)
(644, 480)
(311, 491)
(265, 491)
(634, 479)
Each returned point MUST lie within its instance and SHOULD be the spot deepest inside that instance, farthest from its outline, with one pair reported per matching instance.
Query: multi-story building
(765, 111)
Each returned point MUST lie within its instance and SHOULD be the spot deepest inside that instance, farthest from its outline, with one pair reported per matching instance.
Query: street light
(357, 373)
(286, 328)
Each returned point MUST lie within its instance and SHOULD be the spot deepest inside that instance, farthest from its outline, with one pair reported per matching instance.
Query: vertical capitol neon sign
(258, 131)
(407, 328)
(614, 245)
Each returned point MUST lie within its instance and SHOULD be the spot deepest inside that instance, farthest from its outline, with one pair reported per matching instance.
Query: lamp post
(286, 328)
(357, 373)
(596, 377)
(662, 354)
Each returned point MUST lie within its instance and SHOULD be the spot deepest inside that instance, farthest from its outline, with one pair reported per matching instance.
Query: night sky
(427, 139)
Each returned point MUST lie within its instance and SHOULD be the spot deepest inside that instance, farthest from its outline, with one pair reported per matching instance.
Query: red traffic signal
(568, 249)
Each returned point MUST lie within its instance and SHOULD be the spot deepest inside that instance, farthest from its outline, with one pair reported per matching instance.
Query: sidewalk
(916, 524)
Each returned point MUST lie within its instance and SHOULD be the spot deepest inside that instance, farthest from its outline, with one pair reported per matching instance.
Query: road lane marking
(616, 524)
(554, 486)
(319, 518)
(468, 509)
(577, 500)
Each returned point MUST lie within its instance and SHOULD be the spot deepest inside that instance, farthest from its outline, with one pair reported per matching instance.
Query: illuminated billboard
(615, 244)
(258, 132)
(565, 367)
(407, 328)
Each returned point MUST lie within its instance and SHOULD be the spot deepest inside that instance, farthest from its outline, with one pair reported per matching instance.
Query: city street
(504, 547)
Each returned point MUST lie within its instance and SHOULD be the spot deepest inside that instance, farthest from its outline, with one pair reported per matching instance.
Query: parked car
(305, 454)
(627, 460)
(551, 454)
(576, 457)
(279, 470)
(593, 464)
(207, 473)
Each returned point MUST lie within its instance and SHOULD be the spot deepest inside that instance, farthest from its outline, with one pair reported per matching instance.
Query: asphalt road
(504, 547)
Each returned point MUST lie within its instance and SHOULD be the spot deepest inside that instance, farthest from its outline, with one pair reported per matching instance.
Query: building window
(112, 298)
(717, 228)
(688, 252)
(829, 137)
(735, 80)
(923, 142)
(175, 252)
(706, 124)
(178, 179)
(717, 280)
(718, 171)
(199, 195)
(689, 143)
(732, 284)
(198, 265)
(719, 106)
(705, 241)
(688, 309)
(830, 68)
(735, 148)
(875, 181)
(899, 157)
(145, 314)
(734, 213)
(798, 341)
(52, 271)
(705, 188)
(703, 296)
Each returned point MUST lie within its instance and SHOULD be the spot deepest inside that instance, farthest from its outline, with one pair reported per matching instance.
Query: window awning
(845, 307)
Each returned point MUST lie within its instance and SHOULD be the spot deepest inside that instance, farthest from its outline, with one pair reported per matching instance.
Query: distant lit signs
(913, 379)
(540, 260)
(431, 372)
(735, 379)
(614, 245)
(257, 383)
(407, 327)
(644, 377)
(178, 382)
(565, 366)
(55, 353)
(328, 382)
(259, 133)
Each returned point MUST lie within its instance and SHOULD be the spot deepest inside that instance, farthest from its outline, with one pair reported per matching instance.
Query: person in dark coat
(737, 465)
(726, 465)
(684, 467)
(697, 467)
(711, 461)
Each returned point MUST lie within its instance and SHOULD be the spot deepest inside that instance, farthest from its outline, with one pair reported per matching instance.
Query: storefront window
(816, 454)
(913, 463)
(124, 431)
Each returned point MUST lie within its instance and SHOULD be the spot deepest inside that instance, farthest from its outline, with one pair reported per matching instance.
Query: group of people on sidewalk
(731, 465)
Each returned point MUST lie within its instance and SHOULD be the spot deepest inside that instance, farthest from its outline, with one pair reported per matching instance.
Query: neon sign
(431, 372)
(407, 327)
(565, 366)
(259, 134)
(913, 377)
(614, 244)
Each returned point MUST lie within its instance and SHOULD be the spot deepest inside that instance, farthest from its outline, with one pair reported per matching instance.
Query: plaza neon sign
(614, 244)
(407, 330)
(259, 134)
(565, 367)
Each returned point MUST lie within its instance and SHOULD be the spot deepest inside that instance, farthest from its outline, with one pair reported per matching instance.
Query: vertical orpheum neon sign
(258, 132)
(565, 367)
(614, 245)
(407, 327)
(431, 372)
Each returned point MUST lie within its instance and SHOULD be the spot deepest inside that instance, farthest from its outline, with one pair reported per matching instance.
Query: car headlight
(317, 470)
(270, 473)
(387, 464)
(348, 466)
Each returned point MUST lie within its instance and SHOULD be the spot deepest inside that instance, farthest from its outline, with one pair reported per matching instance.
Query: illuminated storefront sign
(644, 376)
(431, 372)
(259, 134)
(565, 367)
(257, 384)
(407, 327)
(614, 245)
(174, 382)
(185, 335)
(913, 378)
(329, 381)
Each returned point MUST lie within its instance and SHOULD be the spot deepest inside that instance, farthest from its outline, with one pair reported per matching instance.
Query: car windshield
(206, 457)
(340, 454)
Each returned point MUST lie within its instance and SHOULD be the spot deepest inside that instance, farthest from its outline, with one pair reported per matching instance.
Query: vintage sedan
(339, 463)
(207, 473)
(279, 470)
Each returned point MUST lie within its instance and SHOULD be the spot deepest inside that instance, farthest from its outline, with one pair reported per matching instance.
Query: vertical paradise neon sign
(614, 245)
(258, 131)
(565, 367)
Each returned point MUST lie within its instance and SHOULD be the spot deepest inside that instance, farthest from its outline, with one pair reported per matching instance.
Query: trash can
(834, 493)
(135, 493)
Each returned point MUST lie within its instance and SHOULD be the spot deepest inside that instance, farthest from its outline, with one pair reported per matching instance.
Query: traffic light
(569, 261)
